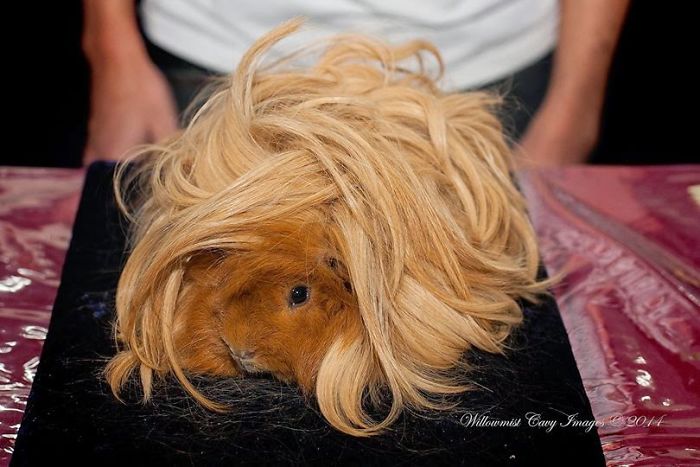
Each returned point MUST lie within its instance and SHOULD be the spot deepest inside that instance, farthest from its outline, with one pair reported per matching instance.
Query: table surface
(626, 237)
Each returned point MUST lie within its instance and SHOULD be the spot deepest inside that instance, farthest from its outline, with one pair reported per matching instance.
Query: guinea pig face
(275, 309)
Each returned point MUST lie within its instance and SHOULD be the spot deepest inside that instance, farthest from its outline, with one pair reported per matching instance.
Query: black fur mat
(72, 417)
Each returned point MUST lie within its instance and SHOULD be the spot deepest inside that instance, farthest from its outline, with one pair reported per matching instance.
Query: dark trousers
(186, 79)
(523, 91)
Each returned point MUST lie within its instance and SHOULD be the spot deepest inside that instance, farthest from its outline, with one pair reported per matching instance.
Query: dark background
(649, 105)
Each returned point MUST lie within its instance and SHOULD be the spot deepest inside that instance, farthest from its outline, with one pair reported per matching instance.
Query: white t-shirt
(480, 40)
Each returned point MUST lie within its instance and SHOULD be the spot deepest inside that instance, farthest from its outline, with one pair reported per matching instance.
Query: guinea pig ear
(202, 267)
(340, 270)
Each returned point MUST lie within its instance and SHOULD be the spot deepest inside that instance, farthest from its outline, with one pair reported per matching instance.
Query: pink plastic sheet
(37, 208)
(629, 241)
(628, 238)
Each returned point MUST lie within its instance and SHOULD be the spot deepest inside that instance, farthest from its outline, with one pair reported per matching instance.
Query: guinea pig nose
(239, 353)
(244, 354)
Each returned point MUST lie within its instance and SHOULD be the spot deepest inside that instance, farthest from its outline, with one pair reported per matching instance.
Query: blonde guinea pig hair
(413, 187)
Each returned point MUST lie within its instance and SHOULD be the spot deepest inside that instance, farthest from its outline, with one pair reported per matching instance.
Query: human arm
(130, 100)
(565, 128)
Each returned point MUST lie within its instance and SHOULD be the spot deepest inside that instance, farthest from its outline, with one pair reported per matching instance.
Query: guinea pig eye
(298, 295)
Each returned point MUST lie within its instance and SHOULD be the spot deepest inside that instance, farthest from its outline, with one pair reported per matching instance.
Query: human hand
(559, 134)
(131, 103)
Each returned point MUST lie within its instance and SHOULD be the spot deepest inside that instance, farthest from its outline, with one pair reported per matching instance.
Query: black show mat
(72, 417)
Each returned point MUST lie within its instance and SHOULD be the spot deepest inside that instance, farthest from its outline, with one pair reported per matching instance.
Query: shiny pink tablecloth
(37, 207)
(628, 238)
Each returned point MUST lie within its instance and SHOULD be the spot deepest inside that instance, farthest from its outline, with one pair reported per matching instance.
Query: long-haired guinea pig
(346, 226)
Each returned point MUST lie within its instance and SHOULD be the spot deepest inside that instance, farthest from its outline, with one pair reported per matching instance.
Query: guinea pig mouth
(247, 365)
(242, 363)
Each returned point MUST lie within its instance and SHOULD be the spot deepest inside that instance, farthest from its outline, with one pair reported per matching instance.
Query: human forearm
(589, 30)
(110, 32)
(130, 100)
(566, 126)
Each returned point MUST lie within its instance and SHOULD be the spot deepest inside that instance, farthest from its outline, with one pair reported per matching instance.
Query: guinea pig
(274, 309)
(346, 226)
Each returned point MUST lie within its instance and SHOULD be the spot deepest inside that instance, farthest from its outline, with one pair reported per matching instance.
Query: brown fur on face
(236, 316)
